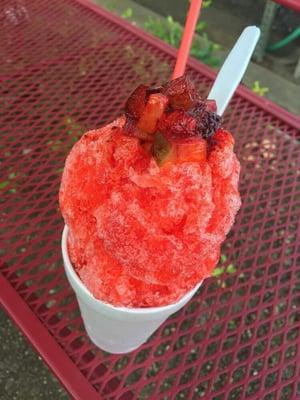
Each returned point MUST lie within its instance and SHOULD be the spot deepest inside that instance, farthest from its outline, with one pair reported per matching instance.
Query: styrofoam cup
(116, 329)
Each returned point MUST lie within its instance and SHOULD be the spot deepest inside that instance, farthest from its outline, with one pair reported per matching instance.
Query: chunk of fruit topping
(177, 125)
(180, 92)
(174, 109)
(193, 150)
(168, 151)
(153, 111)
(155, 89)
(163, 151)
(136, 102)
(207, 122)
(131, 129)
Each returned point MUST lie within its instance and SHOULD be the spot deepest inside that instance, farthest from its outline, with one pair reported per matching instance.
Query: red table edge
(291, 4)
(65, 370)
(243, 91)
(54, 356)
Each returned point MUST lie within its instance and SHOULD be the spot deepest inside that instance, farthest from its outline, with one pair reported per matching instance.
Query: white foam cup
(116, 329)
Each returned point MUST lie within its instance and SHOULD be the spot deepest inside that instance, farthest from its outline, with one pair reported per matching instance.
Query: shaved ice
(145, 229)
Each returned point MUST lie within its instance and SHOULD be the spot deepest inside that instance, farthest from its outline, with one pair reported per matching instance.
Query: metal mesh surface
(65, 69)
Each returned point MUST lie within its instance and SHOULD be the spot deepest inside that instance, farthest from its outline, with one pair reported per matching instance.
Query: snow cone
(148, 201)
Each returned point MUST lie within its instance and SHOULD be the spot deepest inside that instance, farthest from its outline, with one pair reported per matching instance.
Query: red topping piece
(163, 151)
(167, 151)
(136, 102)
(208, 124)
(181, 92)
(153, 111)
(131, 129)
(177, 113)
(177, 125)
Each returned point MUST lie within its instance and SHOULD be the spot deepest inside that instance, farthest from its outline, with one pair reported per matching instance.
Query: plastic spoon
(234, 68)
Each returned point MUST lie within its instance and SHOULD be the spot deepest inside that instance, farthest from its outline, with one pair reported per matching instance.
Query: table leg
(265, 26)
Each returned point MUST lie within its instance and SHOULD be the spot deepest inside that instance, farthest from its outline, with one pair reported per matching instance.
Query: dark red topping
(207, 122)
(155, 89)
(177, 112)
(177, 125)
(131, 129)
(136, 102)
(208, 125)
(180, 92)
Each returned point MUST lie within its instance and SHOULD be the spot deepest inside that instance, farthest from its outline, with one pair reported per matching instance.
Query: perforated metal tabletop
(67, 67)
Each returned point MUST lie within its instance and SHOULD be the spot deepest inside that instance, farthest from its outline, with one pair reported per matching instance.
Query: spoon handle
(234, 68)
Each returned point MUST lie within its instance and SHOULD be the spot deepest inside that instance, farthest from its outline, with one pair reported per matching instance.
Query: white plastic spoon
(234, 68)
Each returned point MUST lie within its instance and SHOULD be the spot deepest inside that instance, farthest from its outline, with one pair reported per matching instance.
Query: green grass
(170, 31)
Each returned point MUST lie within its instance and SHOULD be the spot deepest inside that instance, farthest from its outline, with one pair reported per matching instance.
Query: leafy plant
(260, 90)
(167, 29)
(206, 3)
(170, 31)
(111, 5)
(207, 53)
(221, 267)
(127, 13)
(11, 177)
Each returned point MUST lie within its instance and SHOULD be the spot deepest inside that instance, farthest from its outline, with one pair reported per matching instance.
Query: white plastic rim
(117, 329)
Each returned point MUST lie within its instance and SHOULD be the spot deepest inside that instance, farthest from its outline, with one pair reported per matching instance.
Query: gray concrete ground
(23, 374)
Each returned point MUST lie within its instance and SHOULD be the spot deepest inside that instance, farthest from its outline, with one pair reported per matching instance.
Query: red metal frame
(50, 94)
(73, 380)
(292, 4)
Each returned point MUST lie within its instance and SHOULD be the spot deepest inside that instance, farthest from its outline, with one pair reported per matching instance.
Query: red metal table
(292, 4)
(68, 66)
